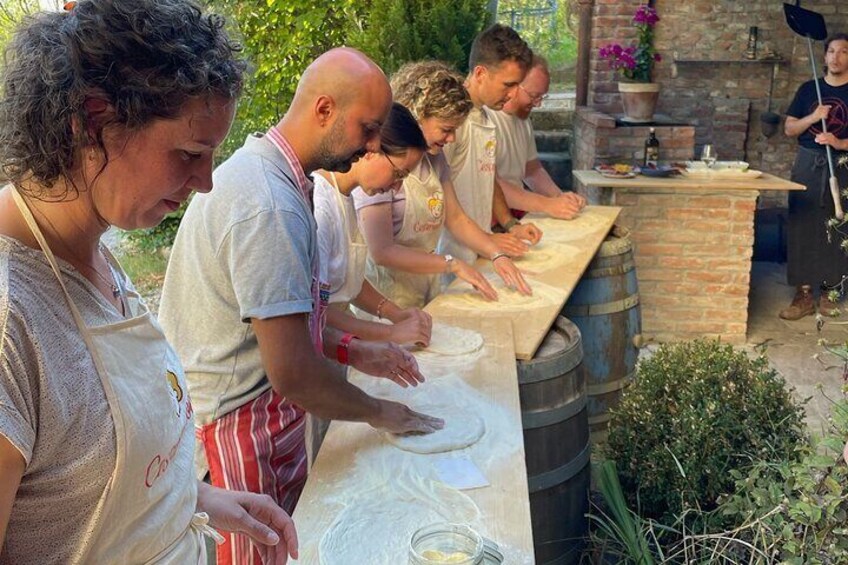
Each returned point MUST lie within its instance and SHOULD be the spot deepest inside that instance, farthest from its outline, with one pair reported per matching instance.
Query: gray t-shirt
(244, 250)
(52, 406)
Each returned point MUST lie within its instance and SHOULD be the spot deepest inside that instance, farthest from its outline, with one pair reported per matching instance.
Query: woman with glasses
(341, 247)
(402, 227)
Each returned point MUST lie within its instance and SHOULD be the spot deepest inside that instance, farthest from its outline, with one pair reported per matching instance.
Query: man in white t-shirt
(498, 61)
(516, 157)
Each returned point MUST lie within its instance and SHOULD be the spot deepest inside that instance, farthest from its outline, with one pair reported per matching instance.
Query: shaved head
(343, 73)
(340, 105)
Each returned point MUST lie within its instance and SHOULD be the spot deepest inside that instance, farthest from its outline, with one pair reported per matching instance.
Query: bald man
(243, 306)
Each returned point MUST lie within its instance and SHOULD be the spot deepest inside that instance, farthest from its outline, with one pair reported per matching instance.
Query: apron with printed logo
(423, 218)
(147, 510)
(475, 185)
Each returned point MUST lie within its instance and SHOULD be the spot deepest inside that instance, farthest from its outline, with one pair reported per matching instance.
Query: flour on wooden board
(545, 256)
(463, 297)
(376, 527)
(569, 230)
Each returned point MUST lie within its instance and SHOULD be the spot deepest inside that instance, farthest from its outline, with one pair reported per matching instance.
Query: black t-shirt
(806, 101)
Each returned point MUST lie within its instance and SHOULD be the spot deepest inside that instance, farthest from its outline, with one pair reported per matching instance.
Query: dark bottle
(652, 150)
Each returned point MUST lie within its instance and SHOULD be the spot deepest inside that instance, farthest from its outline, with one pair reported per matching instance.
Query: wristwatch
(448, 262)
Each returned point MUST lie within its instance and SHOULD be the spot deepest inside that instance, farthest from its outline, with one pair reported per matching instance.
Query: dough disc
(450, 340)
(462, 428)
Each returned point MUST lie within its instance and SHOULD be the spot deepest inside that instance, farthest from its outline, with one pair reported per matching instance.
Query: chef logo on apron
(176, 389)
(487, 163)
(436, 204)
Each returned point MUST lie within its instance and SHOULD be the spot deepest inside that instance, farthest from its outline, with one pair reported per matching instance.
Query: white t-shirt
(334, 231)
(516, 146)
(53, 408)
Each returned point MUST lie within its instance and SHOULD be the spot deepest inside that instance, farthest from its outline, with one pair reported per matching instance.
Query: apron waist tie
(200, 524)
(819, 163)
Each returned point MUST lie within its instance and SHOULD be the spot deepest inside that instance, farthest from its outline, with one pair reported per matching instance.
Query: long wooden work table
(357, 467)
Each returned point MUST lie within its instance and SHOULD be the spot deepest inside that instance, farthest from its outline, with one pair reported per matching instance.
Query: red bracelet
(343, 348)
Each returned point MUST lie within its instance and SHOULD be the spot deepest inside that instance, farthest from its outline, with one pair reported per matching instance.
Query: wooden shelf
(776, 61)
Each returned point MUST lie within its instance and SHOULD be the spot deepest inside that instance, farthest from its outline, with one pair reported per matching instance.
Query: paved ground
(793, 347)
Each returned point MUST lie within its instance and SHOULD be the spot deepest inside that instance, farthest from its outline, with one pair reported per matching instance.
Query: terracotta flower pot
(639, 100)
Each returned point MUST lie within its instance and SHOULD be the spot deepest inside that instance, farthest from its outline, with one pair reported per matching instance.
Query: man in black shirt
(812, 259)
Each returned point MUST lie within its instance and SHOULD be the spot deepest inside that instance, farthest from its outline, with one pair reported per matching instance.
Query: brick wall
(693, 253)
(701, 93)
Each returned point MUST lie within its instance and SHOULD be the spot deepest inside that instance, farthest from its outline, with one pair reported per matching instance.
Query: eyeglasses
(534, 98)
(399, 174)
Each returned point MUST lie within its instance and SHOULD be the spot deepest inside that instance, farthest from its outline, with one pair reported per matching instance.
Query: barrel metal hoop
(614, 271)
(602, 309)
(600, 419)
(609, 386)
(559, 475)
(544, 418)
(530, 372)
(617, 246)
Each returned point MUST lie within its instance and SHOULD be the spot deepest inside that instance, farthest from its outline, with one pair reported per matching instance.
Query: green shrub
(394, 32)
(798, 511)
(697, 411)
(280, 38)
(550, 34)
(157, 237)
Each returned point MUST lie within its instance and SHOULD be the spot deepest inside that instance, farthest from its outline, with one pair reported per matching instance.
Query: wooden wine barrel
(605, 306)
(556, 444)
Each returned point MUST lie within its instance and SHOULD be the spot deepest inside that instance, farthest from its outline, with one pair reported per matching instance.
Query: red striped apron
(260, 447)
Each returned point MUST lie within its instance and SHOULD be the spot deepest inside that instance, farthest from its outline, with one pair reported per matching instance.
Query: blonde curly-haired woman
(402, 227)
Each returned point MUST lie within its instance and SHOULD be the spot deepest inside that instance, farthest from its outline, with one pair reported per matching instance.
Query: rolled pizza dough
(462, 428)
(378, 526)
(451, 340)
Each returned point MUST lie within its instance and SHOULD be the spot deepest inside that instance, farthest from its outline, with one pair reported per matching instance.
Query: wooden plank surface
(352, 451)
(698, 182)
(555, 267)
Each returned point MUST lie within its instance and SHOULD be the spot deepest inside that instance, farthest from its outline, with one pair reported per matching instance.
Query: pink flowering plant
(635, 62)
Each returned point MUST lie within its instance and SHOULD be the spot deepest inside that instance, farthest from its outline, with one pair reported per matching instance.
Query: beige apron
(357, 255)
(146, 512)
(423, 218)
(475, 184)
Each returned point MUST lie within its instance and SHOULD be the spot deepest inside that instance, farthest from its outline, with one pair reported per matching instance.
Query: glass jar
(446, 544)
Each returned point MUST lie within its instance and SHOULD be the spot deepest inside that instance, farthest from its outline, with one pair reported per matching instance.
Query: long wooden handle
(837, 200)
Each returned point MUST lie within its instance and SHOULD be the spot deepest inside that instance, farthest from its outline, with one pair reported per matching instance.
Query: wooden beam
(584, 50)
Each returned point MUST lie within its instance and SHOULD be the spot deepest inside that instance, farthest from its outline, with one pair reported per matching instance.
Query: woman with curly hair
(109, 116)
(402, 227)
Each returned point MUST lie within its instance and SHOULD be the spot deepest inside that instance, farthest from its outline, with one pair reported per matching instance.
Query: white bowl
(732, 165)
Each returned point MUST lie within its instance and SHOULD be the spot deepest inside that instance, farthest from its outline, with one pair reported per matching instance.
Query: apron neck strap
(48, 253)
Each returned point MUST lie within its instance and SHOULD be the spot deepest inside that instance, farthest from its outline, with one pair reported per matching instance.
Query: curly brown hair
(431, 89)
(146, 58)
